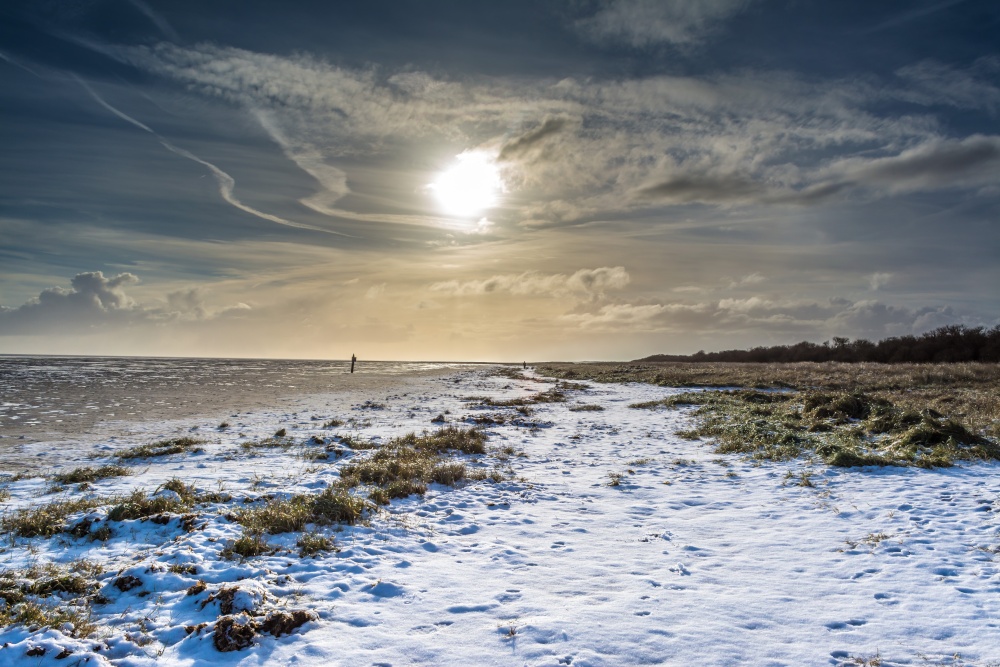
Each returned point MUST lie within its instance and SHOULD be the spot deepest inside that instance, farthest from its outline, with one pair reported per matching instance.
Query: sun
(469, 186)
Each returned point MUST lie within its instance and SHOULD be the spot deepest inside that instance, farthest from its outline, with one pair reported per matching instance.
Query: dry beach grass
(927, 415)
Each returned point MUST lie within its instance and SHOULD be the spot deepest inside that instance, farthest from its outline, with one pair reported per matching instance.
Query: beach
(584, 532)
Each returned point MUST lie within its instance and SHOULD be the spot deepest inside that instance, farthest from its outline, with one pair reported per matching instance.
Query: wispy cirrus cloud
(226, 183)
(572, 149)
(585, 283)
(641, 23)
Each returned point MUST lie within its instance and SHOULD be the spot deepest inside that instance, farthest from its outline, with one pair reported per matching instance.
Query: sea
(55, 397)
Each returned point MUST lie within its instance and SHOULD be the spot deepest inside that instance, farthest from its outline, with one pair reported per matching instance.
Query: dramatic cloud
(587, 283)
(94, 300)
(642, 23)
(528, 142)
(689, 188)
(91, 299)
(585, 148)
(790, 319)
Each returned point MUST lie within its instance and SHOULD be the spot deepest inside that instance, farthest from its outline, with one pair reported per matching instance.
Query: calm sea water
(46, 396)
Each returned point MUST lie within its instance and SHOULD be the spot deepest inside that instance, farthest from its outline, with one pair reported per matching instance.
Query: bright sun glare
(468, 187)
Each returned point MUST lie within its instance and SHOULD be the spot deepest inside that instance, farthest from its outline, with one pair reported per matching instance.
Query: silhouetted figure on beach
(525, 365)
(353, 359)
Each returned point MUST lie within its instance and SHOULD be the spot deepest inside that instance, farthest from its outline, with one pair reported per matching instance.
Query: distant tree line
(947, 344)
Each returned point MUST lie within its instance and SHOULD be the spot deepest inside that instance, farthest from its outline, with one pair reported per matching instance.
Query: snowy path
(694, 559)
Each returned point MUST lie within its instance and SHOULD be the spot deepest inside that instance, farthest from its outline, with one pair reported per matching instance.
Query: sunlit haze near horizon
(575, 179)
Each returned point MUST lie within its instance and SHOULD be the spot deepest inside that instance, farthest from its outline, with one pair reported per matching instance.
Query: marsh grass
(248, 545)
(87, 474)
(190, 494)
(50, 596)
(294, 514)
(844, 429)
(356, 443)
(141, 505)
(313, 544)
(590, 407)
(45, 520)
(969, 391)
(161, 448)
(275, 442)
(556, 394)
(406, 465)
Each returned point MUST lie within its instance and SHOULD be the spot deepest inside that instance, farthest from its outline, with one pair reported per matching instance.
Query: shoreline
(95, 408)
(588, 532)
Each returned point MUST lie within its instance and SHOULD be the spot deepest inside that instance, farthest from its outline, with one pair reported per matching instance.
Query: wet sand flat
(45, 399)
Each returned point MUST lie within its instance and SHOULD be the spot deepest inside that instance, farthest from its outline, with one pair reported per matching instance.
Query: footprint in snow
(845, 626)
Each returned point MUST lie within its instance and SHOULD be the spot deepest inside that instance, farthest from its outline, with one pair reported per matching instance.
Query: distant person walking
(353, 359)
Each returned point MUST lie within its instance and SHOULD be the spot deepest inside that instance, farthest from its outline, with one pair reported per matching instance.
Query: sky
(525, 180)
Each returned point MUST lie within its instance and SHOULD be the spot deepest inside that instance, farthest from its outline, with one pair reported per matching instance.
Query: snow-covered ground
(692, 559)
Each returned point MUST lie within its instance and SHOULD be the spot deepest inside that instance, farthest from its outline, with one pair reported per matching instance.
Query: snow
(693, 559)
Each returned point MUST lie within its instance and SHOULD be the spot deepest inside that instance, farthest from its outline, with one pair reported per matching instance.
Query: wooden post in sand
(353, 359)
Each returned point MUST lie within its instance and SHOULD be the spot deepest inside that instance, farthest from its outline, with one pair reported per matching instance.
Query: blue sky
(266, 179)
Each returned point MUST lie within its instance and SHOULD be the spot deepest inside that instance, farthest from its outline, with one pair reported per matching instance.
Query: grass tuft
(86, 474)
(312, 544)
(45, 520)
(249, 545)
(161, 448)
(294, 514)
(140, 505)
